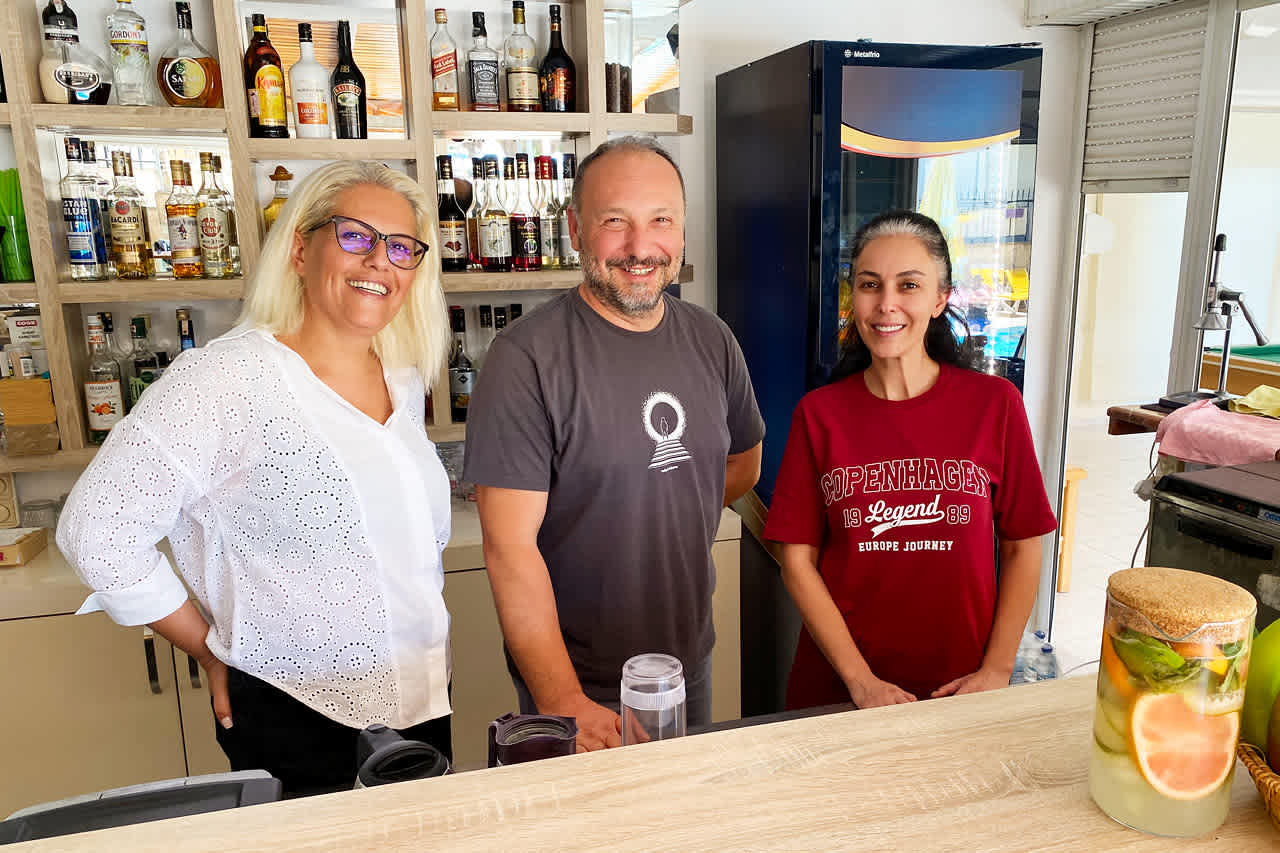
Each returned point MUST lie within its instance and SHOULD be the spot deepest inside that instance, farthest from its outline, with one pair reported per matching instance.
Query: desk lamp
(1220, 304)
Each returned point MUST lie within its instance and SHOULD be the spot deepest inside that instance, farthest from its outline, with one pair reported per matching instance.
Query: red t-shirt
(904, 501)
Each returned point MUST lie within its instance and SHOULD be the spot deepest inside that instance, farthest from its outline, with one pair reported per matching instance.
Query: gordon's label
(453, 240)
(127, 38)
(185, 78)
(105, 403)
(269, 83)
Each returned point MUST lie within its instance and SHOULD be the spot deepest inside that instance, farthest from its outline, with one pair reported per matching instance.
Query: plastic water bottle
(1046, 663)
(1024, 665)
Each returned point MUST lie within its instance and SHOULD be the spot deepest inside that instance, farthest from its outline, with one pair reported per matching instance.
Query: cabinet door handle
(195, 672)
(153, 671)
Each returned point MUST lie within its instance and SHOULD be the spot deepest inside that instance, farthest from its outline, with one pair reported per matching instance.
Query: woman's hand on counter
(987, 678)
(874, 692)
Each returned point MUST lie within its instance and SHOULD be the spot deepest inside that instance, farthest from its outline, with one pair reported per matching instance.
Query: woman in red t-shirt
(901, 480)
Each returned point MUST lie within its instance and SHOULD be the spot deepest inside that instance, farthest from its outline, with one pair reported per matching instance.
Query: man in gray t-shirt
(606, 432)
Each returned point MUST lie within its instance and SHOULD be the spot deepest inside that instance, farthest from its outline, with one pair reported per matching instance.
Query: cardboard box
(21, 544)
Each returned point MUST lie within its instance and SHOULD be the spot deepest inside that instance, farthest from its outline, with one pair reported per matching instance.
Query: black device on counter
(383, 757)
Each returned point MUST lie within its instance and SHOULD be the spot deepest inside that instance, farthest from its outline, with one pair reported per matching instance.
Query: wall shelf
(447, 433)
(480, 282)
(63, 460)
(4, 114)
(660, 124)
(331, 149)
(149, 290)
(463, 123)
(12, 292)
(112, 118)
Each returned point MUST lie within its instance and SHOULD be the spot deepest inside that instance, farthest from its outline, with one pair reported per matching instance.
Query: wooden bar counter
(1006, 770)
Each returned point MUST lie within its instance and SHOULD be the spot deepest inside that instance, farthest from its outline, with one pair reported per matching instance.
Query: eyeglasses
(361, 238)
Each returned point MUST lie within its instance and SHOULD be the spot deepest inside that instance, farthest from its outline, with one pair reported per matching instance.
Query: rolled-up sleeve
(128, 500)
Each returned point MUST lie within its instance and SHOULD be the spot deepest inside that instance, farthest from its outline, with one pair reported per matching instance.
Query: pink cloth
(1201, 432)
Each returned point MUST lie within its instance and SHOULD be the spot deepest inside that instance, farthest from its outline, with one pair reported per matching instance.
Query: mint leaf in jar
(1147, 657)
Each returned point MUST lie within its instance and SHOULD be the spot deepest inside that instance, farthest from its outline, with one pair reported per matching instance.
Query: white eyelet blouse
(310, 534)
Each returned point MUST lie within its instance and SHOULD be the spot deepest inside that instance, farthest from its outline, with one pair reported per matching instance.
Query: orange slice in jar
(1184, 755)
(1116, 671)
(1212, 656)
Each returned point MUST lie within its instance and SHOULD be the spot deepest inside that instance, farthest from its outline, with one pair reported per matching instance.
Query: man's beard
(628, 302)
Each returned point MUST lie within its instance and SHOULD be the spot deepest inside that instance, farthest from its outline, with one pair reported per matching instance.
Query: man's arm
(522, 593)
(741, 472)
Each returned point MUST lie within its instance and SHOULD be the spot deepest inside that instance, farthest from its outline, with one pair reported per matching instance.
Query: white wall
(1249, 214)
(720, 35)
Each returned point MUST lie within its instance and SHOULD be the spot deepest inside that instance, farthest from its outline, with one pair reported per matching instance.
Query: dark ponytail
(946, 341)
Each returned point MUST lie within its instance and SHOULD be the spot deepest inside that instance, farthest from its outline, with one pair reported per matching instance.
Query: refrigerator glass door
(951, 133)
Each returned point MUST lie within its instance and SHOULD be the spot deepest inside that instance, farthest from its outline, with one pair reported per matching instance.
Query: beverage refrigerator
(814, 141)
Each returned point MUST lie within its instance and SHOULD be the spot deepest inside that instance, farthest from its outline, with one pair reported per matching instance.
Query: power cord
(1144, 490)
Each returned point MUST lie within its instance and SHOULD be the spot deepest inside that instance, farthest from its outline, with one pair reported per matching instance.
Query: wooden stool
(1067, 525)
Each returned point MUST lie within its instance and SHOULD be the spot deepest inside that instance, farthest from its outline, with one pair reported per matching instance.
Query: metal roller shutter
(1144, 92)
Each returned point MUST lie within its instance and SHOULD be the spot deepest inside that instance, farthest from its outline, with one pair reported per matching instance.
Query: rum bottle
(181, 214)
(211, 213)
(130, 234)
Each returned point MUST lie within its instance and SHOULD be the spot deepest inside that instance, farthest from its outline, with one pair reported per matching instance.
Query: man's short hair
(622, 143)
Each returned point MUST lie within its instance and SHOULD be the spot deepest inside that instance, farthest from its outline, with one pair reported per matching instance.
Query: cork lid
(1180, 602)
(280, 174)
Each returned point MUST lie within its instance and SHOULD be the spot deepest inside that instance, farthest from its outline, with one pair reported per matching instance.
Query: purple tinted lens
(353, 238)
(400, 252)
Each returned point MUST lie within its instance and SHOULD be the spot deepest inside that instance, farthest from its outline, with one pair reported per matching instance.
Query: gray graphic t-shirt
(627, 432)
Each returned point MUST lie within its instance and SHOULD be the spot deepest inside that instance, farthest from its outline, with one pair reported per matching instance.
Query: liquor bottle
(494, 225)
(486, 328)
(69, 72)
(499, 319)
(462, 374)
(146, 364)
(283, 180)
(264, 83)
(229, 205)
(181, 212)
(82, 213)
(482, 67)
(452, 219)
(89, 163)
(130, 234)
(473, 212)
(557, 77)
(309, 81)
(211, 213)
(517, 311)
(347, 92)
(522, 65)
(548, 213)
(130, 61)
(114, 350)
(186, 330)
(103, 390)
(187, 73)
(507, 190)
(526, 228)
(444, 66)
(568, 254)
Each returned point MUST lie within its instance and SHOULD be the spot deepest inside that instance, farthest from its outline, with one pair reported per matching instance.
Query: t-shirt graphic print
(664, 421)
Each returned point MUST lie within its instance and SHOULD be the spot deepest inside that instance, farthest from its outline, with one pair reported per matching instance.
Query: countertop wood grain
(998, 771)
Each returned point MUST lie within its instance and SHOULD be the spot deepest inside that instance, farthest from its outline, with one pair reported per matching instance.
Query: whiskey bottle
(103, 389)
(557, 77)
(346, 87)
(462, 374)
(264, 84)
(82, 214)
(522, 65)
(211, 213)
(181, 214)
(452, 219)
(526, 228)
(482, 67)
(187, 73)
(130, 234)
(309, 82)
(283, 180)
(444, 65)
(494, 225)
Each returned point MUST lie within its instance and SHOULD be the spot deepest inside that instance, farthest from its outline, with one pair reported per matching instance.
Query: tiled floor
(1109, 521)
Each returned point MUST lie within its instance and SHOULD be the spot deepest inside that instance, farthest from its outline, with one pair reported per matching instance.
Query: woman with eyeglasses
(288, 464)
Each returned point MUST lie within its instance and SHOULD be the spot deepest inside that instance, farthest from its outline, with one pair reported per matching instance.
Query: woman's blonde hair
(417, 336)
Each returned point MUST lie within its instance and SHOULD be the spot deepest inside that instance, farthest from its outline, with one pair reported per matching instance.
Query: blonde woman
(288, 464)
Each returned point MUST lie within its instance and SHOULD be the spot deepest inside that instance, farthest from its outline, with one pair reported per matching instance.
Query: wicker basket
(1267, 780)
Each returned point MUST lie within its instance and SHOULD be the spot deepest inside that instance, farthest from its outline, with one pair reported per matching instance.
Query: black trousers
(308, 752)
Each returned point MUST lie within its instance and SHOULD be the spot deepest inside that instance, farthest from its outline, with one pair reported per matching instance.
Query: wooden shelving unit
(428, 133)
